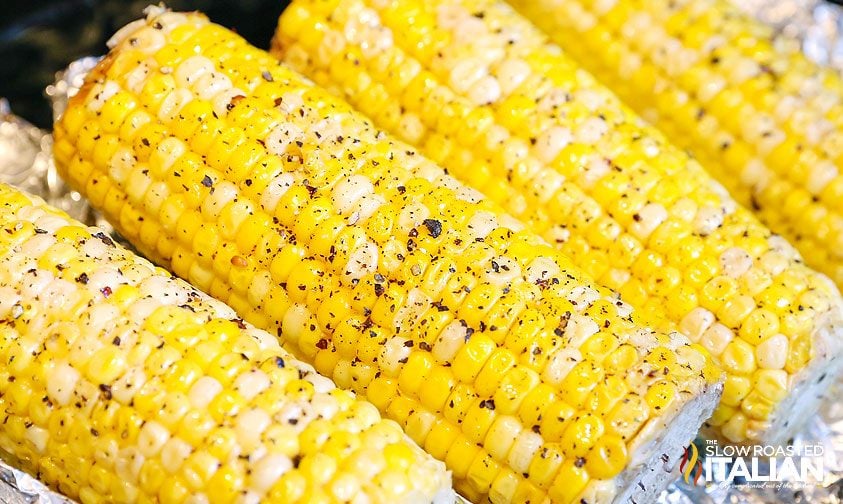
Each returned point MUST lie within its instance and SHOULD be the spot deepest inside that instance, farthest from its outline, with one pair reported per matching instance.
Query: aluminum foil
(26, 152)
(824, 429)
(816, 25)
(26, 162)
(17, 487)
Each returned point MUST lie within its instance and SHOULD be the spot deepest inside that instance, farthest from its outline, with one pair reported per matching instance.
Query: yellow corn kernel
(736, 388)
(581, 434)
(739, 357)
(570, 481)
(770, 383)
(607, 458)
(660, 396)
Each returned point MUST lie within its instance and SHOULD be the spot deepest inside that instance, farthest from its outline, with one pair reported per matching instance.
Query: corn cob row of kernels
(120, 383)
(487, 345)
(762, 118)
(482, 91)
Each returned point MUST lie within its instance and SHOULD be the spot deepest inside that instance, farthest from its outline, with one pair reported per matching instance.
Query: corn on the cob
(762, 118)
(490, 349)
(120, 383)
(479, 89)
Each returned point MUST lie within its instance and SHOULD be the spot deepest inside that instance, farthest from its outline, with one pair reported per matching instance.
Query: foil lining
(26, 152)
(18, 487)
(816, 25)
(26, 162)
(825, 429)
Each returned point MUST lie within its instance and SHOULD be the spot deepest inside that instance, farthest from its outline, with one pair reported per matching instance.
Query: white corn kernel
(772, 352)
(61, 384)
(734, 262)
(203, 391)
(560, 364)
(696, 322)
(526, 445)
(152, 438)
(450, 340)
(267, 471)
(649, 218)
(716, 337)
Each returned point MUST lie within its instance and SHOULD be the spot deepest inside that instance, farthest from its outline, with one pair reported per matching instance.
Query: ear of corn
(120, 383)
(487, 345)
(481, 90)
(763, 119)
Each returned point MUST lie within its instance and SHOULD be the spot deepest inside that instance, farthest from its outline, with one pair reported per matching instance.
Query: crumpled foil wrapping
(817, 25)
(26, 152)
(17, 487)
(26, 162)
(825, 428)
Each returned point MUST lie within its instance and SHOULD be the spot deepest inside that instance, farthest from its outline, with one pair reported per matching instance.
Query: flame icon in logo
(691, 461)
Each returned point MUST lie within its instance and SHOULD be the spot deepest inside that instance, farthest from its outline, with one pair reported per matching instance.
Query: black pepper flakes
(104, 238)
(434, 227)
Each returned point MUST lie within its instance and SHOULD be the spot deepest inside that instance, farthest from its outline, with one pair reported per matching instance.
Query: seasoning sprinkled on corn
(760, 116)
(487, 345)
(120, 383)
(481, 90)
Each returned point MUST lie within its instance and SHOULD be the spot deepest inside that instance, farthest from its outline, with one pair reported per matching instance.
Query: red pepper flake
(106, 291)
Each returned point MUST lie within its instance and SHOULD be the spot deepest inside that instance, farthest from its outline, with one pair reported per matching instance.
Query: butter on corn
(120, 383)
(481, 90)
(760, 116)
(487, 345)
